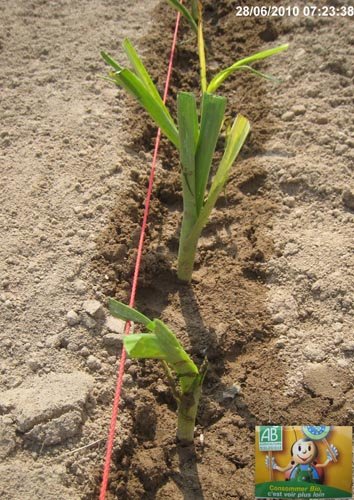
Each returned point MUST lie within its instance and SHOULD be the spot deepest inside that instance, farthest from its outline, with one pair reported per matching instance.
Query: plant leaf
(194, 6)
(109, 60)
(201, 50)
(156, 109)
(212, 115)
(143, 346)
(163, 344)
(222, 75)
(122, 311)
(259, 73)
(140, 69)
(235, 141)
(185, 12)
(187, 121)
(188, 134)
(175, 356)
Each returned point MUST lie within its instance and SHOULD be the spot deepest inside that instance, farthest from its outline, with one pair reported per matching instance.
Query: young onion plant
(183, 375)
(196, 132)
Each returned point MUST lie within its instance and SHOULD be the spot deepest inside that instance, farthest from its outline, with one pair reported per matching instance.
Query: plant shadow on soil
(223, 313)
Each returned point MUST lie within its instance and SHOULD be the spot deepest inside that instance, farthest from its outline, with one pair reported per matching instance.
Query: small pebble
(231, 392)
(299, 54)
(323, 140)
(279, 318)
(287, 116)
(5, 283)
(85, 352)
(133, 371)
(34, 364)
(314, 354)
(342, 363)
(298, 213)
(348, 198)
(299, 109)
(160, 387)
(72, 347)
(115, 325)
(312, 92)
(128, 380)
(221, 330)
(289, 201)
(291, 249)
(340, 149)
(201, 440)
(113, 339)
(53, 341)
(80, 286)
(93, 308)
(93, 363)
(281, 329)
(72, 318)
(316, 287)
(321, 120)
(337, 340)
(87, 321)
(348, 347)
(280, 343)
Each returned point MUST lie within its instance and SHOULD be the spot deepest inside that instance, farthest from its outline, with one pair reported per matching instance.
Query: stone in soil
(348, 198)
(231, 392)
(93, 363)
(313, 353)
(88, 321)
(115, 325)
(57, 430)
(40, 399)
(7, 437)
(72, 318)
(113, 340)
(93, 308)
(348, 348)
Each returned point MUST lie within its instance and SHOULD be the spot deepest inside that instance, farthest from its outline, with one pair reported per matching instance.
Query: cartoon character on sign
(303, 465)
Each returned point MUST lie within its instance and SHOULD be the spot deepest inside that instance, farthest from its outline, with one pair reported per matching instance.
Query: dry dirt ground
(271, 302)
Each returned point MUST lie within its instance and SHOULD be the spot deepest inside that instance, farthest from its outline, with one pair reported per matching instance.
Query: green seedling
(195, 134)
(183, 375)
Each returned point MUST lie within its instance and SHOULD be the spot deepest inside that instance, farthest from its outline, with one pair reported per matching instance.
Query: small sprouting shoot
(160, 343)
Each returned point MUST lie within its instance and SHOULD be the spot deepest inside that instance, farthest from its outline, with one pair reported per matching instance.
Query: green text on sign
(270, 438)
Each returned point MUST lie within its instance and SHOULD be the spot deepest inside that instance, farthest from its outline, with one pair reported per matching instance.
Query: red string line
(119, 383)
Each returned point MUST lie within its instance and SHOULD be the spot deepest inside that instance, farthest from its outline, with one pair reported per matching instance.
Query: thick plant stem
(187, 248)
(187, 413)
(186, 257)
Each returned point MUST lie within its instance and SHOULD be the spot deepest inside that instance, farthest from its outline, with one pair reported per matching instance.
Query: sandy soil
(62, 159)
(271, 301)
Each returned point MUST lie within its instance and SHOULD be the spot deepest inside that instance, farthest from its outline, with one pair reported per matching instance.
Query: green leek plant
(196, 133)
(183, 375)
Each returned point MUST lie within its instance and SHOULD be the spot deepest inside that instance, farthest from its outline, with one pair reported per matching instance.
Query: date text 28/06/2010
(294, 11)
